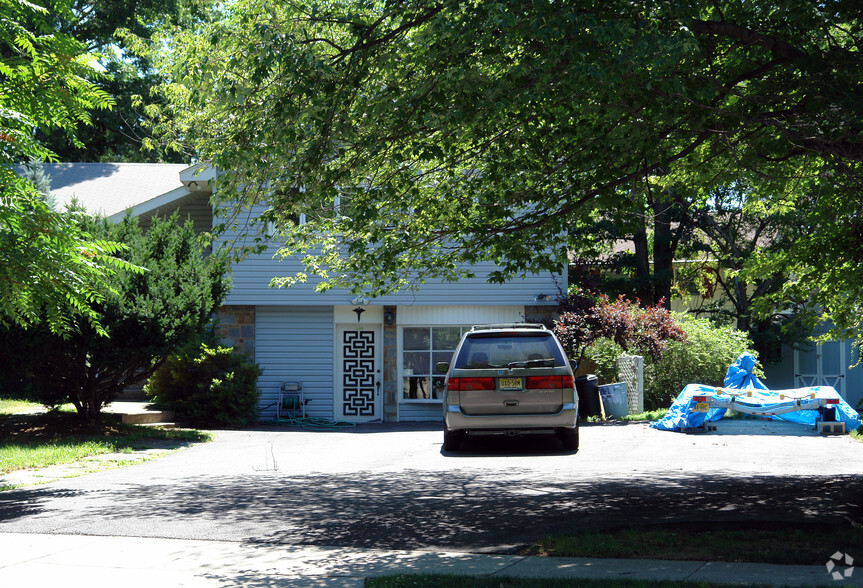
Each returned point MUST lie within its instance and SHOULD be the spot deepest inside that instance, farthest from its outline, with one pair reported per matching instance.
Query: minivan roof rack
(509, 326)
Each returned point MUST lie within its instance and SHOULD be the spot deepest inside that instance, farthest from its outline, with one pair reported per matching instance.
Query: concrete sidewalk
(130, 562)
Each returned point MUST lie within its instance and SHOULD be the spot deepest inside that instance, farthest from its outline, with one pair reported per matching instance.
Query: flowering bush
(587, 318)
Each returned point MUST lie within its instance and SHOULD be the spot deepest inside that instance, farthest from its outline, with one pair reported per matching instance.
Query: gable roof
(111, 188)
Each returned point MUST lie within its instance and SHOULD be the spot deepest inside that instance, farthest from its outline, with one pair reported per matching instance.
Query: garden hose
(308, 423)
(314, 423)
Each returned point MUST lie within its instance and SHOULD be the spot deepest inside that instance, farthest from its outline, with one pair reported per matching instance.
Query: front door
(358, 373)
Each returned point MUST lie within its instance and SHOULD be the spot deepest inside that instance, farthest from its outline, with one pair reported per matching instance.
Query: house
(354, 359)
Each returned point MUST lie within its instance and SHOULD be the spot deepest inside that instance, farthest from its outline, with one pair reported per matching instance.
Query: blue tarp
(739, 374)
(739, 377)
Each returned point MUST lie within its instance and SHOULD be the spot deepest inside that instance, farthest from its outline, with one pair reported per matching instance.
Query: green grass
(22, 454)
(761, 544)
(648, 415)
(19, 456)
(30, 440)
(452, 581)
(857, 434)
(15, 406)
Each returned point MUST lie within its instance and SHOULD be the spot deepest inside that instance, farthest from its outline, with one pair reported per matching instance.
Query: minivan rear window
(492, 350)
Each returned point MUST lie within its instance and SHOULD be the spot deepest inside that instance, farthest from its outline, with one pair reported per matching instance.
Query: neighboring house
(356, 360)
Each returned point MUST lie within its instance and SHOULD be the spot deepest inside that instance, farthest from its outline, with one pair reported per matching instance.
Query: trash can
(613, 398)
(587, 388)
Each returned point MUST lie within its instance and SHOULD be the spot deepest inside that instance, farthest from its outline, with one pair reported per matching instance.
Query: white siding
(295, 344)
(460, 316)
(420, 412)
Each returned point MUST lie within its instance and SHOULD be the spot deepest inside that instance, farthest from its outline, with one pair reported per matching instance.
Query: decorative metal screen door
(358, 378)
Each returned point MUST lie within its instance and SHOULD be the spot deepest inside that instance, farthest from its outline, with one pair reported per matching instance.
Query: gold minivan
(510, 379)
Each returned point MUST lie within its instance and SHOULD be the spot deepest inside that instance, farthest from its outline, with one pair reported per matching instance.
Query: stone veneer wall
(391, 363)
(236, 328)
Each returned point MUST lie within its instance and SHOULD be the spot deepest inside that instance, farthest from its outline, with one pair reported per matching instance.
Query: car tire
(569, 439)
(451, 440)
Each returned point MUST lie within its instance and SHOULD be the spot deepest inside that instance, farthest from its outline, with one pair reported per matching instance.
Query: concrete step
(164, 425)
(149, 417)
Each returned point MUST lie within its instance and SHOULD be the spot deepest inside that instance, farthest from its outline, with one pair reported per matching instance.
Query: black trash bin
(587, 388)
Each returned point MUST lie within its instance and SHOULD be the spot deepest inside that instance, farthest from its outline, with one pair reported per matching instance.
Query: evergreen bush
(144, 315)
(207, 385)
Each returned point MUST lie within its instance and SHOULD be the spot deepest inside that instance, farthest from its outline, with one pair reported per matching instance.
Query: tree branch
(730, 30)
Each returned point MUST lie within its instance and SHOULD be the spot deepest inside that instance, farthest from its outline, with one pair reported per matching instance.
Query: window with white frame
(422, 348)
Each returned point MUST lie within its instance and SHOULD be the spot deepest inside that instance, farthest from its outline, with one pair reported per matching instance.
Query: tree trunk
(663, 253)
(643, 288)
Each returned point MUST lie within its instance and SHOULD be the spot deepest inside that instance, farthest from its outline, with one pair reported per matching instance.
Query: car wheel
(451, 440)
(569, 439)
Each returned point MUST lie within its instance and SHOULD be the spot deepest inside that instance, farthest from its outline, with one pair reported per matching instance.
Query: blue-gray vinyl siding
(251, 279)
(195, 207)
(251, 283)
(295, 344)
(781, 375)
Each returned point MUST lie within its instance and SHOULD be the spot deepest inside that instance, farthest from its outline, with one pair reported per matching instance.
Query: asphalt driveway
(392, 487)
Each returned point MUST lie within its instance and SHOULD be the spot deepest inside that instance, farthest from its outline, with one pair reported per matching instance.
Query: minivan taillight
(545, 382)
(463, 384)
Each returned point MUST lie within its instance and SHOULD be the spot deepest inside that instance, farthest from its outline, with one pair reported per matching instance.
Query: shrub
(145, 317)
(703, 358)
(602, 355)
(586, 318)
(207, 385)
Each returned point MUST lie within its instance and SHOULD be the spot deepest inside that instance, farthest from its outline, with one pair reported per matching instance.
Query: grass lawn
(758, 543)
(39, 439)
(649, 415)
(14, 406)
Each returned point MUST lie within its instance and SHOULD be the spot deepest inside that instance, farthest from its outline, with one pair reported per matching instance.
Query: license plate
(510, 383)
(701, 407)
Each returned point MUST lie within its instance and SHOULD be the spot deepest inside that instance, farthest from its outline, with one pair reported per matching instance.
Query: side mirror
(441, 367)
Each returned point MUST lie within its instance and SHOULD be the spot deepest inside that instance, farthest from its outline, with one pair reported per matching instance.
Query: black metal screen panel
(358, 369)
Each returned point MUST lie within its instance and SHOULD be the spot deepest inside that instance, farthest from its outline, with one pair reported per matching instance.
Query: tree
(459, 131)
(49, 267)
(656, 226)
(146, 317)
(34, 172)
(102, 27)
(729, 233)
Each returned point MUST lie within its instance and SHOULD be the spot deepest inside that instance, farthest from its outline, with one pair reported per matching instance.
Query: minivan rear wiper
(531, 363)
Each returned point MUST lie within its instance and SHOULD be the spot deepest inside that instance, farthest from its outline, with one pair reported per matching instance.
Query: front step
(171, 425)
(150, 417)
